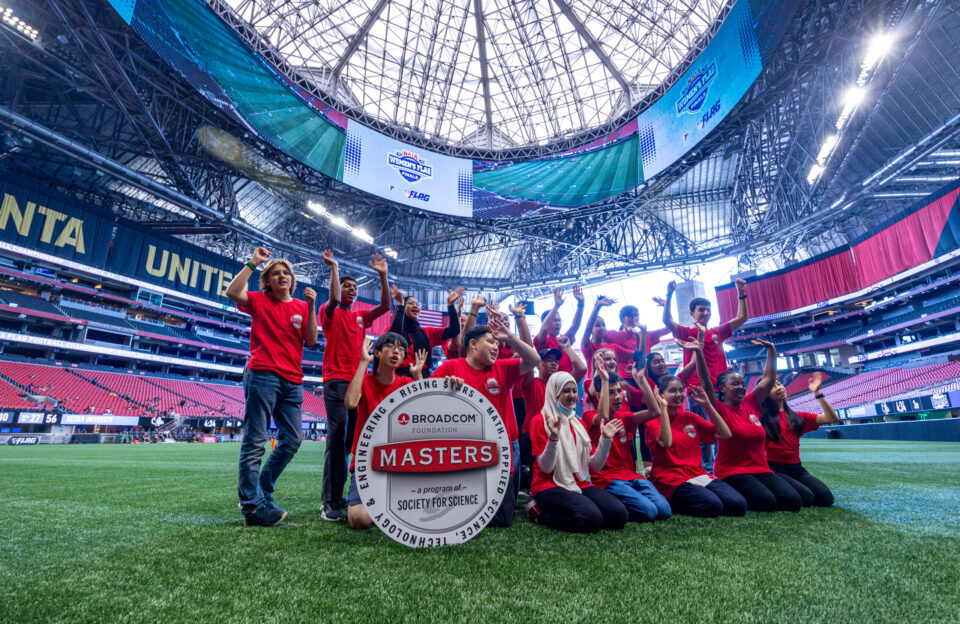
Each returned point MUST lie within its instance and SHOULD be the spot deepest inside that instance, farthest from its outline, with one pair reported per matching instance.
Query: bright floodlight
(876, 50)
(362, 235)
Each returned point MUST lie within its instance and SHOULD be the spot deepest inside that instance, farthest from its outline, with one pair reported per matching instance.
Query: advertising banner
(23, 440)
(433, 464)
(100, 419)
(406, 174)
(703, 96)
(52, 223)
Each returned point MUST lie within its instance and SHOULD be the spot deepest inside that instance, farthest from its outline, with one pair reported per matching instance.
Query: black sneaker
(331, 513)
(268, 501)
(265, 516)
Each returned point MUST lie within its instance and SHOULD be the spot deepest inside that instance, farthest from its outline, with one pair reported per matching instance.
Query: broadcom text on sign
(433, 463)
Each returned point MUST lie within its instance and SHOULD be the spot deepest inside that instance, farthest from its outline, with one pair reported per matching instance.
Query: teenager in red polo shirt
(406, 323)
(365, 393)
(619, 475)
(674, 440)
(550, 326)
(595, 338)
(742, 459)
(344, 330)
(494, 378)
(563, 498)
(272, 380)
(700, 312)
(784, 428)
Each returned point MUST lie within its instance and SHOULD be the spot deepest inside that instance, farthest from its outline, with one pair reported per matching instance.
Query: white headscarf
(573, 448)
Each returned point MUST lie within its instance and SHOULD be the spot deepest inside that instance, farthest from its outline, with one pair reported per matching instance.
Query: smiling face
(616, 397)
(568, 395)
(701, 314)
(548, 366)
(733, 389)
(411, 308)
(485, 349)
(673, 394)
(631, 319)
(609, 360)
(657, 365)
(348, 292)
(779, 392)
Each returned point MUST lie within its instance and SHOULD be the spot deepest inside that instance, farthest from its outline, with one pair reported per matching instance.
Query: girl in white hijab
(563, 497)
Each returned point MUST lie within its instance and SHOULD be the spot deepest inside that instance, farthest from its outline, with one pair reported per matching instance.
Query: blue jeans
(267, 395)
(641, 499)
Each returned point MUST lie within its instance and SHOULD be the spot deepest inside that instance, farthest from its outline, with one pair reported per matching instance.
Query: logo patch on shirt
(297, 321)
(493, 387)
(755, 420)
(715, 338)
(690, 430)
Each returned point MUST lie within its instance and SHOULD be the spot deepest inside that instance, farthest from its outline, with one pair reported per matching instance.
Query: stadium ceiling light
(878, 47)
(390, 252)
(17, 25)
(362, 235)
(340, 222)
(815, 172)
(318, 208)
(851, 99)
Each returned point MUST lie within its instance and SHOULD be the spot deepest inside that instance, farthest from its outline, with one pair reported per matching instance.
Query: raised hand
(698, 394)
(578, 293)
(460, 306)
(518, 309)
(690, 345)
(498, 327)
(769, 346)
(366, 351)
(260, 255)
(397, 294)
(417, 367)
(328, 258)
(454, 294)
(558, 296)
(660, 301)
(378, 263)
(310, 296)
(564, 341)
(660, 400)
(553, 425)
(478, 301)
(671, 287)
(598, 367)
(741, 286)
(605, 301)
(611, 427)
(815, 382)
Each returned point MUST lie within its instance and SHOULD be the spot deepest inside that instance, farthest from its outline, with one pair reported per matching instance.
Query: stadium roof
(485, 73)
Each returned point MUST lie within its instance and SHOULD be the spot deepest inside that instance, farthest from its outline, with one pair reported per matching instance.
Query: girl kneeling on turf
(741, 459)
(784, 428)
(674, 439)
(563, 498)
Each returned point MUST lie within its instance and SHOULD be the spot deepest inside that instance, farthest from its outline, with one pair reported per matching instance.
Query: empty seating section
(10, 397)
(219, 341)
(877, 385)
(153, 328)
(200, 400)
(21, 300)
(801, 383)
(142, 390)
(313, 404)
(92, 316)
(75, 394)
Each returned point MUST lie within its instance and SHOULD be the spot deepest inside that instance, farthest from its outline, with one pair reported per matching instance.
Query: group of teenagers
(574, 424)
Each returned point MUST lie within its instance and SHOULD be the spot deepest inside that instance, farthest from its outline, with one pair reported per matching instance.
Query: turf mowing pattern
(152, 534)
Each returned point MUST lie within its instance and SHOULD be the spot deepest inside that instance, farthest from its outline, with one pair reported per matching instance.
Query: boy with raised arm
(272, 380)
(494, 378)
(550, 327)
(344, 330)
(700, 312)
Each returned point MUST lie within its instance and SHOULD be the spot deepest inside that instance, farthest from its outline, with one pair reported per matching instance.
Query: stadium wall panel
(943, 430)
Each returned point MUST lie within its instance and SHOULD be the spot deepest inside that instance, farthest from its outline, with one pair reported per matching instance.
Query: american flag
(431, 318)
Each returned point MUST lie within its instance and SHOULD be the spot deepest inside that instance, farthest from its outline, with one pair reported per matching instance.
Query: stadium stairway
(93, 380)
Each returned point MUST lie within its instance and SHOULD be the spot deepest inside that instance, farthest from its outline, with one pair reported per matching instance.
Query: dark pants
(340, 423)
(715, 499)
(811, 489)
(706, 450)
(765, 491)
(526, 461)
(504, 516)
(267, 395)
(587, 512)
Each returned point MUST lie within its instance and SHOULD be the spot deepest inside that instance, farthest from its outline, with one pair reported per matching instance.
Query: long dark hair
(650, 374)
(770, 417)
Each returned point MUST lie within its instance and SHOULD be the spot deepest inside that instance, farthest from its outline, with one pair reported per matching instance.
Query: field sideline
(152, 534)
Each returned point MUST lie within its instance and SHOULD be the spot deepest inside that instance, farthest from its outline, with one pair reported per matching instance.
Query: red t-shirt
(550, 342)
(745, 452)
(493, 382)
(371, 393)
(627, 344)
(534, 394)
(674, 466)
(620, 465)
(276, 338)
(434, 335)
(712, 350)
(344, 331)
(541, 480)
(787, 450)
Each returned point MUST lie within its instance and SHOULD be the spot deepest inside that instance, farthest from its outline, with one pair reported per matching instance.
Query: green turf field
(152, 534)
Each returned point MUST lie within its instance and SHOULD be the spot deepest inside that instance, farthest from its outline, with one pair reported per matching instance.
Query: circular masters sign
(433, 463)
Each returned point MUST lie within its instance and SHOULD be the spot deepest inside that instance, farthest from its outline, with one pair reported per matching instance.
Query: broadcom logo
(403, 419)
